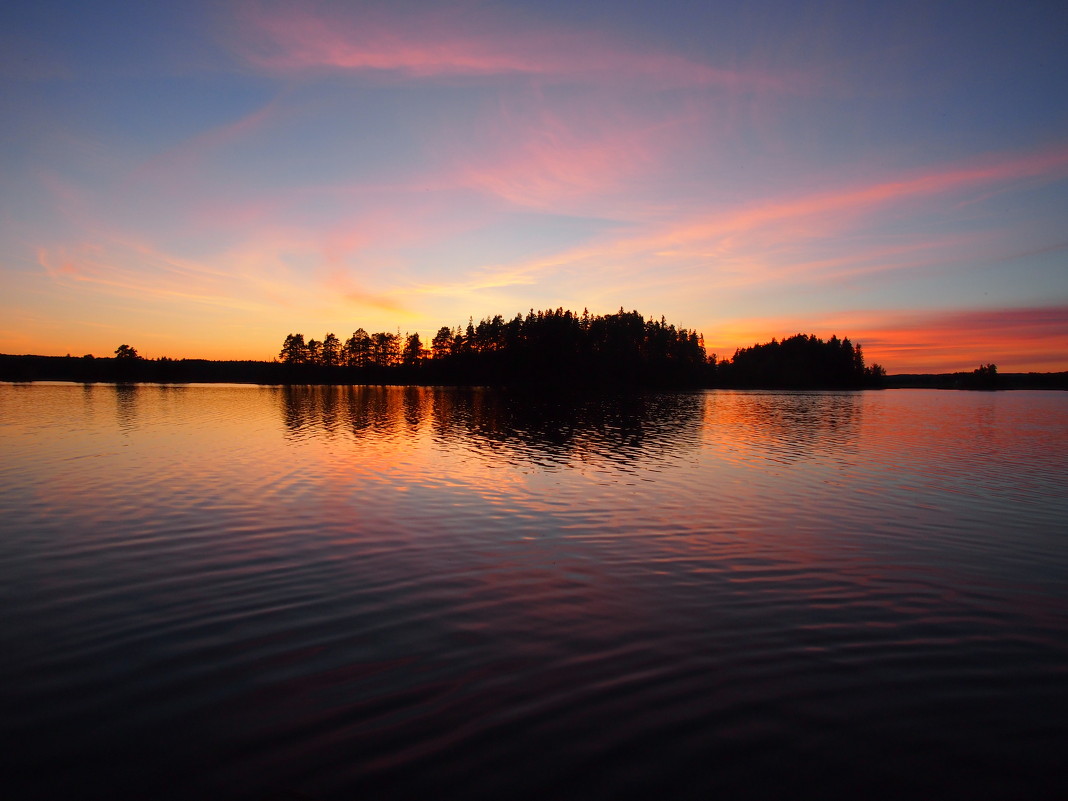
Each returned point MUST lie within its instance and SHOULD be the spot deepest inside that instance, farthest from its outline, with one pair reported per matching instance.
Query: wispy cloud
(447, 41)
(264, 276)
(758, 242)
(264, 260)
(136, 270)
(819, 214)
(177, 161)
(565, 160)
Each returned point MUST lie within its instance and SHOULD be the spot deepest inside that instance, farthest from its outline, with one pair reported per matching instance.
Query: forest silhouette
(553, 349)
(560, 348)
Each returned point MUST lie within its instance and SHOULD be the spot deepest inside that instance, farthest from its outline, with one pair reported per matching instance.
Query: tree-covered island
(553, 348)
(558, 347)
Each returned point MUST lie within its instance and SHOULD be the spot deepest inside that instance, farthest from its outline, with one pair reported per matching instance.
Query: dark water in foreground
(216, 592)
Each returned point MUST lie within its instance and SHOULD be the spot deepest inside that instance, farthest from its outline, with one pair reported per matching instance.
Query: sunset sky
(200, 179)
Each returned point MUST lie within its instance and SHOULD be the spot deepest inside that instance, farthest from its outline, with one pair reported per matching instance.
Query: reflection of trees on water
(126, 402)
(587, 427)
(785, 425)
(539, 428)
(414, 404)
(330, 410)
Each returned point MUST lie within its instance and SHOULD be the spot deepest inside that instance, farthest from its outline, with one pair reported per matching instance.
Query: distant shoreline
(959, 381)
(30, 368)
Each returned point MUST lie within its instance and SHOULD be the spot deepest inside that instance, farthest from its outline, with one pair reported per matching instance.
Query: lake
(416, 593)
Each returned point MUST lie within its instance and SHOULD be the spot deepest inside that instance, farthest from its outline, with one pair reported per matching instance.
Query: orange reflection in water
(552, 494)
(431, 581)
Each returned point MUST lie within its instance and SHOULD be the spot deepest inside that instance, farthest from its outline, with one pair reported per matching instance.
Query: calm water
(228, 592)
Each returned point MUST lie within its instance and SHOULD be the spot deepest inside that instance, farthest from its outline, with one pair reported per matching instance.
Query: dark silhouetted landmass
(559, 348)
(967, 381)
(552, 349)
(163, 371)
(800, 362)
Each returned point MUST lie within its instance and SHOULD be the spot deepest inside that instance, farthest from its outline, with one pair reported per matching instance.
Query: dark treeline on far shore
(554, 349)
(984, 377)
(137, 370)
(551, 349)
(557, 347)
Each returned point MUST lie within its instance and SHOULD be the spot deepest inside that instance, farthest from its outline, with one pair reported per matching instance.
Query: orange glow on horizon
(1017, 340)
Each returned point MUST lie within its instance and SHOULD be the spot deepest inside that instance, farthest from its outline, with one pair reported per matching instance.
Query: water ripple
(406, 592)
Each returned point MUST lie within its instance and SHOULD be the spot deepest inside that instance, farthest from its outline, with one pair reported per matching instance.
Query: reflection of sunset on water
(401, 588)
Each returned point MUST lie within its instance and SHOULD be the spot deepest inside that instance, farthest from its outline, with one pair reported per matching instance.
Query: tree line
(554, 346)
(560, 347)
(801, 361)
(360, 350)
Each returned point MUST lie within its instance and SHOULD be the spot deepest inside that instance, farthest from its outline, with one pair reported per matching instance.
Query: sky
(200, 179)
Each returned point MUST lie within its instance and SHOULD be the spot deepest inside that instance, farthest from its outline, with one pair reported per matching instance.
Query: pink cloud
(557, 160)
(848, 201)
(137, 270)
(757, 242)
(443, 42)
(281, 270)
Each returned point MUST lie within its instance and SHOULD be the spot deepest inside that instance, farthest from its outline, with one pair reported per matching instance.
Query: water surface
(228, 592)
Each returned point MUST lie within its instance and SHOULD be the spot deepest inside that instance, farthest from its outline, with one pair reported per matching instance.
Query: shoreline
(107, 370)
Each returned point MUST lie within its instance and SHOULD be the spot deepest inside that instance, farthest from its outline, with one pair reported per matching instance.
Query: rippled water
(231, 592)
